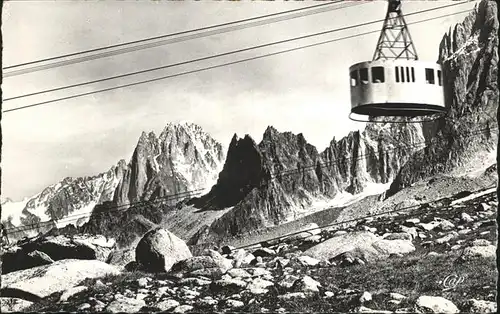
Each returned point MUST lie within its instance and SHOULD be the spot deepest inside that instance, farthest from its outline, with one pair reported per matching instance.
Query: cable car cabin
(401, 88)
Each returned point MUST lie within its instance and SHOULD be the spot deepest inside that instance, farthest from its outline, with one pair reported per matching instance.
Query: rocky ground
(435, 258)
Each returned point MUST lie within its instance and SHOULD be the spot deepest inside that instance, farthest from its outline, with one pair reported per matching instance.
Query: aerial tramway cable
(194, 71)
(320, 8)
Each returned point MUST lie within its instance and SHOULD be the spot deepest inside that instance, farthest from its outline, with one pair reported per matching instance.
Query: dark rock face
(274, 181)
(243, 159)
(183, 158)
(469, 56)
(12, 261)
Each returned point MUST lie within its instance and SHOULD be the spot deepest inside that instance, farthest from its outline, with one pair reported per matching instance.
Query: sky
(305, 91)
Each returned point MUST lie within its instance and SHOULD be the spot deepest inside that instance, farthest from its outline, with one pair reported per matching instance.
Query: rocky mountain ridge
(182, 158)
(469, 55)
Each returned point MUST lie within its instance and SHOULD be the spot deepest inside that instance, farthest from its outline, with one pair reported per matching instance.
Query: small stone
(483, 207)
(288, 281)
(257, 272)
(234, 303)
(370, 229)
(264, 252)
(258, 291)
(293, 295)
(167, 305)
(124, 304)
(396, 296)
(142, 282)
(194, 281)
(481, 242)
(84, 306)
(306, 284)
(207, 301)
(447, 238)
(464, 217)
(365, 297)
(183, 308)
(329, 294)
(307, 261)
(238, 273)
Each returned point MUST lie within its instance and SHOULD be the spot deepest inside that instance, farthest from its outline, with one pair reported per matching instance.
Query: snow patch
(13, 210)
(81, 215)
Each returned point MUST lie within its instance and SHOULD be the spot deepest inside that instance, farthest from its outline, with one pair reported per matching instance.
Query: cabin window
(440, 78)
(429, 76)
(397, 74)
(412, 74)
(408, 74)
(363, 75)
(354, 78)
(378, 75)
(402, 74)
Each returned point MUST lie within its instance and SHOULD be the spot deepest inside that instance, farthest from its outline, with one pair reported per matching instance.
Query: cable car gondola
(395, 86)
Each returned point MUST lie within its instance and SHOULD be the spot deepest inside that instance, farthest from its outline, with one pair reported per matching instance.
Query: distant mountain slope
(183, 158)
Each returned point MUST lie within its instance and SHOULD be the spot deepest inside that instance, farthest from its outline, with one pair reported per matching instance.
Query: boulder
(198, 265)
(77, 247)
(430, 304)
(486, 251)
(59, 276)
(159, 250)
(365, 245)
(306, 285)
(19, 260)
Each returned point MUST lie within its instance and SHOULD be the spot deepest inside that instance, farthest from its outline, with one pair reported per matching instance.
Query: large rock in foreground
(159, 249)
(431, 304)
(365, 245)
(44, 280)
(44, 251)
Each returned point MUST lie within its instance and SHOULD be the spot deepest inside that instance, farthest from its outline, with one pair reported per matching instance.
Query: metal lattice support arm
(395, 41)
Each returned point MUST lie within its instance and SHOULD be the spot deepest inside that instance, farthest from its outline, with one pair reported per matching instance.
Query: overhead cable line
(278, 175)
(184, 63)
(163, 42)
(187, 72)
